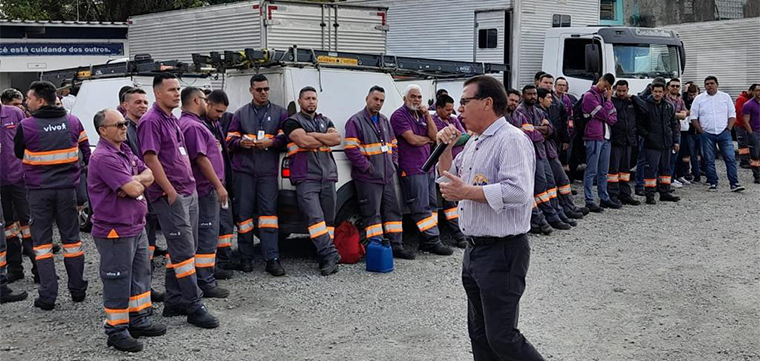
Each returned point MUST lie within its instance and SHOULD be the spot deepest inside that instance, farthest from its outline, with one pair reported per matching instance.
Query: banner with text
(61, 49)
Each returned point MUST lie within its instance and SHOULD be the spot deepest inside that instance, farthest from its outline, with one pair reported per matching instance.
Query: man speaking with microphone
(492, 179)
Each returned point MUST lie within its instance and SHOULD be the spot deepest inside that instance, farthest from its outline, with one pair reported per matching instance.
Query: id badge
(182, 150)
(261, 135)
(384, 148)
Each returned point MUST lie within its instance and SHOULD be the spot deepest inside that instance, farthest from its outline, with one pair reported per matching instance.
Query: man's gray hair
(99, 118)
(411, 87)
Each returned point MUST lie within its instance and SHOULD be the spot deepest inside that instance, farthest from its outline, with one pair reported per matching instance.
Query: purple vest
(11, 171)
(316, 165)
(373, 147)
(51, 158)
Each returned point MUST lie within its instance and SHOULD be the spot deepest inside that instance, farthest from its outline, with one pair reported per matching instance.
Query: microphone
(433, 159)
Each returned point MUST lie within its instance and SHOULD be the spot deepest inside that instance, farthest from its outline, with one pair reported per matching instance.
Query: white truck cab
(637, 55)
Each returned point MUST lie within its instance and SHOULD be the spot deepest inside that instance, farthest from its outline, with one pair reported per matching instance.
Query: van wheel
(85, 218)
(350, 212)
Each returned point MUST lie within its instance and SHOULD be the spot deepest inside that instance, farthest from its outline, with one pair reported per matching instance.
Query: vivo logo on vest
(54, 128)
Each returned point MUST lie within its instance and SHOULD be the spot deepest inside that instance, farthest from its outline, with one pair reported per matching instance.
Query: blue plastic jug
(379, 256)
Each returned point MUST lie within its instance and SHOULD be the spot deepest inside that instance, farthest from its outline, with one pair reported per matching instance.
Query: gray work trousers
(18, 237)
(179, 224)
(317, 203)
(125, 273)
(256, 197)
(59, 205)
(380, 211)
(208, 237)
(420, 196)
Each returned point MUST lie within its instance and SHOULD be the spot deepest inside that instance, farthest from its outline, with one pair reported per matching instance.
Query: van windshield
(642, 61)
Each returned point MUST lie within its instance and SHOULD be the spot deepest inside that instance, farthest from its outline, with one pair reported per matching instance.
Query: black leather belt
(487, 241)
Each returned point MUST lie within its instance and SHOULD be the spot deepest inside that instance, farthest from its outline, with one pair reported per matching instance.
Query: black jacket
(624, 132)
(658, 125)
(558, 115)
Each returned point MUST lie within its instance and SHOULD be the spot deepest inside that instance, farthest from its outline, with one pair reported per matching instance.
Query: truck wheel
(85, 218)
(349, 211)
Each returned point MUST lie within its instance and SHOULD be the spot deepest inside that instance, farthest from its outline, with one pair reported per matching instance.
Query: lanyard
(379, 131)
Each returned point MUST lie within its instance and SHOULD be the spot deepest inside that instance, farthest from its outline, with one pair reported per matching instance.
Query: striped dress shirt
(503, 162)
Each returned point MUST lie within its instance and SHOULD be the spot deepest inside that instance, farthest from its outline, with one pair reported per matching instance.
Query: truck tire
(85, 218)
(349, 211)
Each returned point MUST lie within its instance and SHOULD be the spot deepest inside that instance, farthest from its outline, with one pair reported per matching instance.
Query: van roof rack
(295, 56)
(143, 64)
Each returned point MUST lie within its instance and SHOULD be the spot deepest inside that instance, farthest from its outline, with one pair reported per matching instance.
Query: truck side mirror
(593, 56)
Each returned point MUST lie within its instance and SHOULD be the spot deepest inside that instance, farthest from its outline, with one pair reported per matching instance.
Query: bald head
(111, 126)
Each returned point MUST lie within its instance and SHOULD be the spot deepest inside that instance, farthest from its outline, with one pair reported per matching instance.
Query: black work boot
(152, 330)
(216, 292)
(124, 342)
(246, 265)
(202, 318)
(612, 203)
(222, 274)
(329, 265)
(43, 305)
(437, 248)
(7, 295)
(630, 201)
(546, 229)
(535, 229)
(174, 310)
(274, 268)
(157, 296)
(667, 197)
(650, 199)
(401, 253)
(15, 275)
(593, 207)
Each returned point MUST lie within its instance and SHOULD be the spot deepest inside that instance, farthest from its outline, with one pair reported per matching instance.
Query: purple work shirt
(677, 103)
(200, 141)
(457, 124)
(11, 170)
(160, 133)
(110, 169)
(752, 108)
(410, 157)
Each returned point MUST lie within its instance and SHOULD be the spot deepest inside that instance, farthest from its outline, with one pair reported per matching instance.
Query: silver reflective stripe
(205, 260)
(50, 158)
(11, 231)
(372, 149)
(374, 230)
(73, 250)
(139, 302)
(117, 317)
(184, 268)
(268, 222)
(393, 227)
(596, 110)
(3, 260)
(82, 136)
(317, 230)
(44, 251)
(352, 142)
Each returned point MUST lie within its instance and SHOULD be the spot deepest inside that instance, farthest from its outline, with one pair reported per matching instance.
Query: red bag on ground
(347, 242)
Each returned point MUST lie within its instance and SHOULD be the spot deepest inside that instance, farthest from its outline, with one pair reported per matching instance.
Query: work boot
(566, 219)
(174, 310)
(216, 292)
(274, 268)
(329, 265)
(202, 318)
(400, 253)
(153, 330)
(650, 199)
(43, 305)
(546, 229)
(614, 204)
(630, 201)
(535, 229)
(438, 248)
(560, 225)
(231, 266)
(584, 211)
(462, 243)
(246, 265)
(157, 296)
(640, 192)
(124, 342)
(667, 197)
(573, 214)
(592, 207)
(15, 275)
(8, 295)
(222, 274)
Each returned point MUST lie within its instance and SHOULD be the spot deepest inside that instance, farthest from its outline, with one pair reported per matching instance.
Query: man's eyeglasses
(464, 101)
(261, 90)
(120, 125)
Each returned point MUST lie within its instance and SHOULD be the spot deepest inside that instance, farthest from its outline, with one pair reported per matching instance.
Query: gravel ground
(665, 282)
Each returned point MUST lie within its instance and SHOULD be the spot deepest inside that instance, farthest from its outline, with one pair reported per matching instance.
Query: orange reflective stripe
(331, 232)
(3, 259)
(73, 250)
(25, 232)
(528, 127)
(613, 178)
(12, 230)
(268, 222)
(139, 302)
(225, 240)
(665, 179)
(624, 177)
(82, 136)
(116, 317)
(185, 268)
(372, 149)
(231, 135)
(374, 230)
(544, 197)
(318, 229)
(393, 227)
(650, 183)
(52, 157)
(743, 151)
(565, 190)
(451, 213)
(205, 260)
(245, 226)
(352, 143)
(754, 163)
(426, 223)
(44, 251)
(552, 193)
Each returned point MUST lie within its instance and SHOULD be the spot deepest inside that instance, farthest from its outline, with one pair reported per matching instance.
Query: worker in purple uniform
(116, 181)
(174, 200)
(207, 163)
(15, 205)
(372, 149)
(313, 171)
(255, 139)
(216, 108)
(598, 108)
(415, 131)
(444, 108)
(49, 144)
